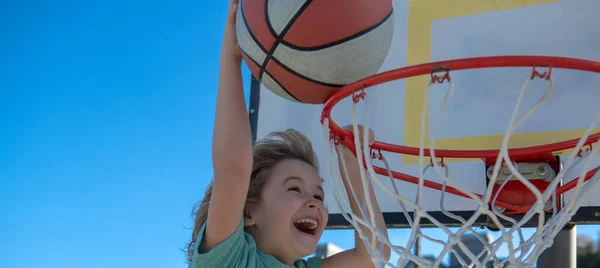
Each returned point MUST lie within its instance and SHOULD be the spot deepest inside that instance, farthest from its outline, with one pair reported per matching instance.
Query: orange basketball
(304, 50)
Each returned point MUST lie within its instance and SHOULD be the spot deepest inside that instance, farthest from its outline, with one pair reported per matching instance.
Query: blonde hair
(267, 153)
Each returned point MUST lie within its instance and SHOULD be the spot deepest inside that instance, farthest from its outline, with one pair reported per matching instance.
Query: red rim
(539, 152)
(454, 65)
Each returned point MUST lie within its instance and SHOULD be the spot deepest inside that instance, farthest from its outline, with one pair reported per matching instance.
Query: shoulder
(314, 262)
(238, 250)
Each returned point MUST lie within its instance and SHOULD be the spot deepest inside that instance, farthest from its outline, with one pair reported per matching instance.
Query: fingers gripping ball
(304, 50)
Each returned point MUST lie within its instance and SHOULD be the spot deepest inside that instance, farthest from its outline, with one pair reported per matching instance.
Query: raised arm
(359, 255)
(232, 144)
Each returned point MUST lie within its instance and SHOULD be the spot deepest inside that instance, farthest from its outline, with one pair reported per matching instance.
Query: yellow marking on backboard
(420, 17)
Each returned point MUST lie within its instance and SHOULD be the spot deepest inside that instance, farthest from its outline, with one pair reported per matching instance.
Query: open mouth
(307, 225)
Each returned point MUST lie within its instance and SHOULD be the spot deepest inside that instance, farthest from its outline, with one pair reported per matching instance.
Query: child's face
(290, 217)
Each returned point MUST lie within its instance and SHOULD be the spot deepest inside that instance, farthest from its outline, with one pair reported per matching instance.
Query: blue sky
(106, 113)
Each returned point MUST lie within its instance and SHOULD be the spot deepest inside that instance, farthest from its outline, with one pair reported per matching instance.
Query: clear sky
(106, 113)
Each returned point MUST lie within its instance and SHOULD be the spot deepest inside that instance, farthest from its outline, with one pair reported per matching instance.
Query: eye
(319, 197)
(294, 189)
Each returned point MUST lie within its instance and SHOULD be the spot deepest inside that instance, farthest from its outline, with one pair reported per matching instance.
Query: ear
(249, 217)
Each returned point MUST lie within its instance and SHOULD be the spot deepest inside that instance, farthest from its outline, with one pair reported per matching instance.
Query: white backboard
(433, 30)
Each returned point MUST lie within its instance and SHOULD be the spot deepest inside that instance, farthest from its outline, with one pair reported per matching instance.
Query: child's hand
(230, 45)
(361, 130)
(350, 151)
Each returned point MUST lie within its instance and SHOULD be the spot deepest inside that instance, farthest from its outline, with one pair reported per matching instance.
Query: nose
(313, 203)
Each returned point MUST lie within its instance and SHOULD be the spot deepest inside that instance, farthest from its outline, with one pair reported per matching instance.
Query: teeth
(313, 224)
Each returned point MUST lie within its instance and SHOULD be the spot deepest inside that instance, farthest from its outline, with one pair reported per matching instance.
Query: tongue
(303, 227)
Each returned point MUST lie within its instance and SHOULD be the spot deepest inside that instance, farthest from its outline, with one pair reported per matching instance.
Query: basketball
(305, 50)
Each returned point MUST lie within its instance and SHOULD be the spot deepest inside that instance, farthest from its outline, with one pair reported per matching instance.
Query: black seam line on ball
(268, 20)
(335, 43)
(304, 77)
(280, 36)
(282, 87)
(251, 59)
(264, 50)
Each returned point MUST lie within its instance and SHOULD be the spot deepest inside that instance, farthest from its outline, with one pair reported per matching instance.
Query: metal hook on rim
(442, 164)
(589, 148)
(544, 75)
(376, 154)
(335, 137)
(440, 78)
(356, 97)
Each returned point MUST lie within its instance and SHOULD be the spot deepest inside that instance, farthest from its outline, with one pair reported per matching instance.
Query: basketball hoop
(510, 190)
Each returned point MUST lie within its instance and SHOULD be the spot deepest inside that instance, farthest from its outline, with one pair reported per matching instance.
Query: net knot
(539, 205)
(453, 240)
(506, 236)
(484, 210)
(540, 241)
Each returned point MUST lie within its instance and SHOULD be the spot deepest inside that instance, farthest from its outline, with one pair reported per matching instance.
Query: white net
(522, 251)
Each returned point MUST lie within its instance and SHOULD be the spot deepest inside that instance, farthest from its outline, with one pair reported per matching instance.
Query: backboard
(478, 114)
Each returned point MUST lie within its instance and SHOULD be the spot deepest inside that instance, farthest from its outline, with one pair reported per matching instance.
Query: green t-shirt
(239, 251)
